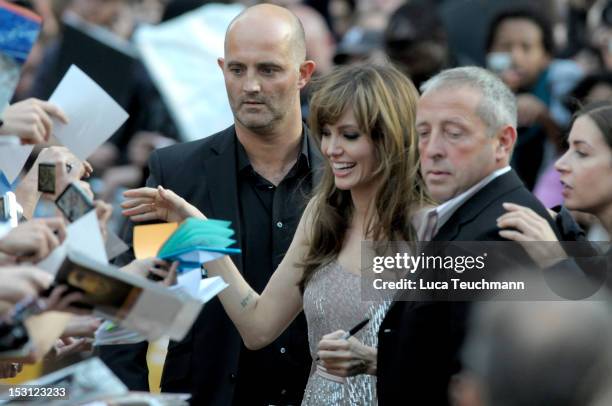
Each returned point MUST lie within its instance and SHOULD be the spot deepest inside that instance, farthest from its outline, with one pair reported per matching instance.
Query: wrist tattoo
(244, 302)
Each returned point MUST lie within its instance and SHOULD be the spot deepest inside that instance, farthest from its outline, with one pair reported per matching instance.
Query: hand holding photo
(46, 177)
(74, 203)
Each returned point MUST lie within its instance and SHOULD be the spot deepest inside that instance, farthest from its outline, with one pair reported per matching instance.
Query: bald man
(255, 174)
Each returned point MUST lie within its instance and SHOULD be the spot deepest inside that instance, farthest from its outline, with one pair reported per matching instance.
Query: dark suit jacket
(206, 361)
(419, 341)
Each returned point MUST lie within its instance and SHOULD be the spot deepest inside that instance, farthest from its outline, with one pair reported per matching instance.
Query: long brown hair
(601, 114)
(383, 102)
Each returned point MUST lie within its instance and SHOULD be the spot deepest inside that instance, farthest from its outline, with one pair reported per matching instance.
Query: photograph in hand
(46, 177)
(74, 203)
(103, 292)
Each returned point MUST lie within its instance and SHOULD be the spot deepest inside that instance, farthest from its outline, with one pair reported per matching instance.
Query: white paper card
(178, 60)
(189, 281)
(84, 236)
(184, 319)
(200, 256)
(13, 156)
(93, 115)
(210, 287)
(110, 334)
(54, 261)
(152, 314)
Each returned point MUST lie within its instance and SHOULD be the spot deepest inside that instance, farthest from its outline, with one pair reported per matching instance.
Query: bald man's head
(265, 68)
(264, 19)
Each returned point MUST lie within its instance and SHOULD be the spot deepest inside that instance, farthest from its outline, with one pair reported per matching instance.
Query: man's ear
(221, 63)
(306, 70)
(506, 138)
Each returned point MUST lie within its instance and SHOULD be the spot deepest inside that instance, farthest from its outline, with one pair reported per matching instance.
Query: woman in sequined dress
(363, 120)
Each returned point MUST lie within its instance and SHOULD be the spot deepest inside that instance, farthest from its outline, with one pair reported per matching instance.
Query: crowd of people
(353, 122)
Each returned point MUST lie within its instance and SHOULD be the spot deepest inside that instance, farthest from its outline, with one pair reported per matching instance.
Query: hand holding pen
(355, 329)
(343, 355)
(352, 331)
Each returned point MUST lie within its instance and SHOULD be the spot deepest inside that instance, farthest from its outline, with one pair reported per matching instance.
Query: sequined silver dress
(332, 301)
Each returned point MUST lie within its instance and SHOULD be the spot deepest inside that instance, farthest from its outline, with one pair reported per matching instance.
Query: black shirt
(269, 216)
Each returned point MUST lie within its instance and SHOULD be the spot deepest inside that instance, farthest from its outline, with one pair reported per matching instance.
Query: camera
(10, 210)
(74, 202)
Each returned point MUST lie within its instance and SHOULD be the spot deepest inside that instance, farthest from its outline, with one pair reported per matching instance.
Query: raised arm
(258, 318)
(27, 192)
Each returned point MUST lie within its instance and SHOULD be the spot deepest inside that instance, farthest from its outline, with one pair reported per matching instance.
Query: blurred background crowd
(554, 54)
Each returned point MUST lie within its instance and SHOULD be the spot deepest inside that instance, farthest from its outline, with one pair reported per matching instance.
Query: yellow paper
(44, 329)
(148, 239)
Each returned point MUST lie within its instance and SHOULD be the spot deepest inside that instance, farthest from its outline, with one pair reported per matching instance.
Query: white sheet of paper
(89, 380)
(189, 280)
(54, 261)
(84, 236)
(114, 245)
(116, 335)
(183, 321)
(93, 115)
(210, 287)
(184, 67)
(13, 156)
(152, 314)
(200, 256)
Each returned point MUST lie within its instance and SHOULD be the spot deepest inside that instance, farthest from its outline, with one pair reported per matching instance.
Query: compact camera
(10, 210)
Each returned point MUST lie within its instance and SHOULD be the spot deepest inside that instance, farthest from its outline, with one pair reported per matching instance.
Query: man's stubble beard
(268, 126)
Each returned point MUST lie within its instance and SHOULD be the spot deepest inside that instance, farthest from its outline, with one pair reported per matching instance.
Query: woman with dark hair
(586, 170)
(363, 118)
